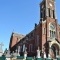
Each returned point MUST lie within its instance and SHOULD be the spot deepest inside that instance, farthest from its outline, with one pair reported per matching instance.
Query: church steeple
(47, 9)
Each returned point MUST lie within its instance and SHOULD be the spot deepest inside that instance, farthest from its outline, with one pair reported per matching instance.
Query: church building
(45, 35)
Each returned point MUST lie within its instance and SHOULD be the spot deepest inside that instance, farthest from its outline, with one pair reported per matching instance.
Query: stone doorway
(54, 50)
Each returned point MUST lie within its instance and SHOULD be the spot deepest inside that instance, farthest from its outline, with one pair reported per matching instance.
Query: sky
(19, 16)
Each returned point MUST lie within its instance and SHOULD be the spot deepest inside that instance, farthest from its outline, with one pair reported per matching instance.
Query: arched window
(37, 40)
(53, 14)
(30, 47)
(52, 30)
(24, 47)
(49, 12)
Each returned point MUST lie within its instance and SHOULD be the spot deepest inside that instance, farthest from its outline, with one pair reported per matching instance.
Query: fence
(27, 58)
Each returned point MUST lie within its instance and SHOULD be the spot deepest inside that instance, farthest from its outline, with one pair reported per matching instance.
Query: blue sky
(19, 16)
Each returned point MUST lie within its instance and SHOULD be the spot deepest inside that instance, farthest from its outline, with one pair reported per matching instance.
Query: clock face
(50, 4)
(52, 26)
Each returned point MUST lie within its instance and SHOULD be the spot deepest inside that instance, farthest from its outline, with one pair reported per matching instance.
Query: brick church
(45, 35)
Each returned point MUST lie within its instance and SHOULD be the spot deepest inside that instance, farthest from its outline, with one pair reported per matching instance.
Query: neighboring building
(46, 34)
(15, 38)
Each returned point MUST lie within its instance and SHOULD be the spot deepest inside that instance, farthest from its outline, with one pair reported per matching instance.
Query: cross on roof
(1, 44)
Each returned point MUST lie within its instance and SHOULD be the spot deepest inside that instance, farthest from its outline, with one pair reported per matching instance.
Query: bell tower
(48, 19)
(47, 9)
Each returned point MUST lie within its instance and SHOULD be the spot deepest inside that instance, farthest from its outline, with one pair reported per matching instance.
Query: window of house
(30, 48)
(53, 14)
(20, 48)
(50, 33)
(23, 47)
(44, 13)
(37, 40)
(41, 15)
(54, 34)
(49, 12)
